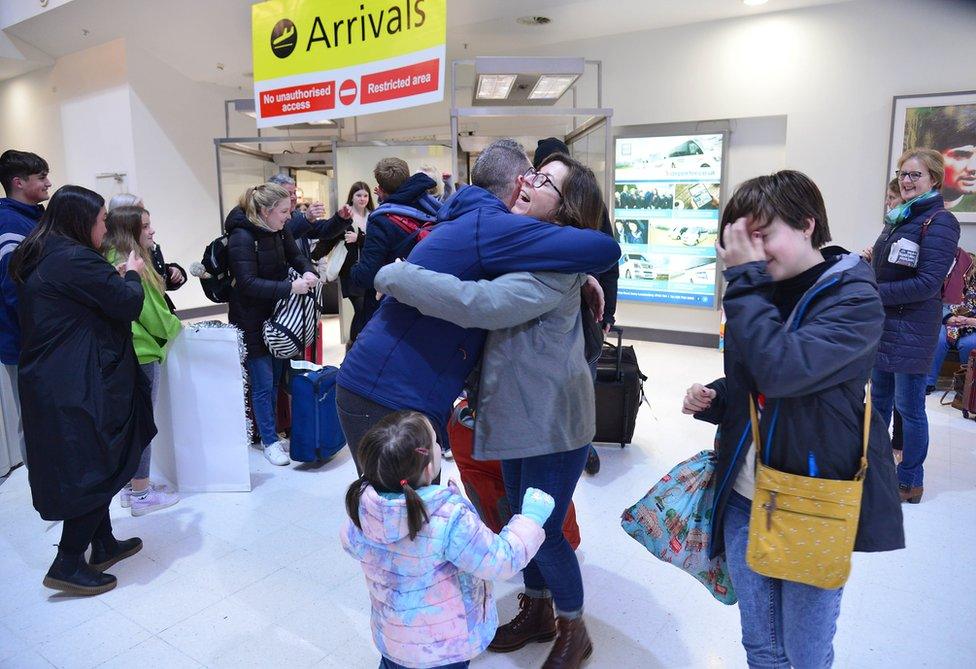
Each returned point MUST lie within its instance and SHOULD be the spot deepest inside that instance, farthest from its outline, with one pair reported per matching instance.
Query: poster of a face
(667, 195)
(946, 123)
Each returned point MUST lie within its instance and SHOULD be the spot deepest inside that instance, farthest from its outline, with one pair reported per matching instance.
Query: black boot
(71, 574)
(104, 556)
(592, 462)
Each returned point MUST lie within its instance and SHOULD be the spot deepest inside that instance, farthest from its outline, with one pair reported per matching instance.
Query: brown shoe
(909, 494)
(535, 621)
(572, 645)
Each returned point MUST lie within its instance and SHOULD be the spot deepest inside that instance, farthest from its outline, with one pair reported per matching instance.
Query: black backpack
(217, 283)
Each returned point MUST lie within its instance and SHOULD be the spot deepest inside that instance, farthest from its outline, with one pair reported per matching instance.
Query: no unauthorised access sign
(316, 61)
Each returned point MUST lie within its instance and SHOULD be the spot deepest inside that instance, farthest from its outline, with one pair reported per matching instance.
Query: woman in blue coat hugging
(911, 259)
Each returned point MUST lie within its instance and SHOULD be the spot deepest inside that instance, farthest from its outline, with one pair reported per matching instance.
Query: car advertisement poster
(666, 208)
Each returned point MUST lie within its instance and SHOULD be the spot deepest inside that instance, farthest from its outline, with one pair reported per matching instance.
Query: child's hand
(537, 505)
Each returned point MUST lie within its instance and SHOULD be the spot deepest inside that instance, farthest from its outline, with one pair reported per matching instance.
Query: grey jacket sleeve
(509, 300)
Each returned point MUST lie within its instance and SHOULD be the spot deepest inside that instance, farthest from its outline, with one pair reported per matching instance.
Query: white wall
(174, 123)
(831, 70)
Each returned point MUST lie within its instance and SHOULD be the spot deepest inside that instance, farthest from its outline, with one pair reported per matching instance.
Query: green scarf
(897, 216)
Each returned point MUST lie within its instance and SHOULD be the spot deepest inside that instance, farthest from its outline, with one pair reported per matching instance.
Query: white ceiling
(193, 36)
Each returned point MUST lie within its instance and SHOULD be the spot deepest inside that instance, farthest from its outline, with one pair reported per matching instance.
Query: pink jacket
(431, 597)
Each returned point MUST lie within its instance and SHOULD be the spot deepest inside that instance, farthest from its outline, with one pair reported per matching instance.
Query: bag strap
(862, 470)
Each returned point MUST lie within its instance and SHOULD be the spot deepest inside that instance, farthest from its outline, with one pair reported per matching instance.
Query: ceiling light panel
(551, 86)
(495, 86)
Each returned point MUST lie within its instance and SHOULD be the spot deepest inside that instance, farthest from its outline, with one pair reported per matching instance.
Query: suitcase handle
(620, 350)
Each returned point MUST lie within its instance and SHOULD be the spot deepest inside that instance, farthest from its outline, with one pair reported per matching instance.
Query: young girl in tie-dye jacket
(427, 557)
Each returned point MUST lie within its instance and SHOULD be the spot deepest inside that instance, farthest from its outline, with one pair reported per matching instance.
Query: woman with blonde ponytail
(261, 251)
(129, 230)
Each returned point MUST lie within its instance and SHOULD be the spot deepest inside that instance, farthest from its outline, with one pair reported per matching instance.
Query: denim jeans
(964, 344)
(784, 623)
(357, 415)
(906, 392)
(265, 372)
(386, 663)
(555, 565)
(151, 370)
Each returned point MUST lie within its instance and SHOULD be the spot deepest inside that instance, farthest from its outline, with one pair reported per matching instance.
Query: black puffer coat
(87, 407)
(812, 369)
(259, 262)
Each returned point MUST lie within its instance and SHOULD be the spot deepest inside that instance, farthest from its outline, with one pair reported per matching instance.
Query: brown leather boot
(535, 621)
(910, 494)
(572, 645)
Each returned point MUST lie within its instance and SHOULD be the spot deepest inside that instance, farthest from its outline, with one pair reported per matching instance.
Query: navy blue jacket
(386, 241)
(17, 220)
(912, 296)
(405, 360)
(812, 368)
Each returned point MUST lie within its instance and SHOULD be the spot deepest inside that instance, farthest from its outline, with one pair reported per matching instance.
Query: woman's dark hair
(789, 195)
(393, 456)
(355, 188)
(71, 213)
(581, 205)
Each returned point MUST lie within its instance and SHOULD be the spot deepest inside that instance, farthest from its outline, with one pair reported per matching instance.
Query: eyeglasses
(911, 176)
(538, 180)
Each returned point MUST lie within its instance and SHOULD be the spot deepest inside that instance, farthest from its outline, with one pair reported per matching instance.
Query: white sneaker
(275, 454)
(154, 500)
(125, 498)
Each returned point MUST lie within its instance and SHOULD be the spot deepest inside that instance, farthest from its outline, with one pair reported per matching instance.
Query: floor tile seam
(124, 650)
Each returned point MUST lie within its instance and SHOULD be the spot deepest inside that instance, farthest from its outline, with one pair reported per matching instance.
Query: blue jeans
(906, 392)
(555, 565)
(386, 663)
(964, 344)
(784, 623)
(265, 371)
(151, 370)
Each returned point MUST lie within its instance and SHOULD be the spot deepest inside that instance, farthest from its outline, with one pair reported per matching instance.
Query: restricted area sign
(318, 60)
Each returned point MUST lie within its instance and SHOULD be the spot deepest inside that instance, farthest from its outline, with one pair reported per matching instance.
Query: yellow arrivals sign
(326, 59)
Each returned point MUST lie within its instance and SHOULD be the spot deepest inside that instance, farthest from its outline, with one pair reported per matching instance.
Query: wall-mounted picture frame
(945, 122)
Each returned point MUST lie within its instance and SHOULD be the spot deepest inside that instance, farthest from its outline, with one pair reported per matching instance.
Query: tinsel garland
(242, 353)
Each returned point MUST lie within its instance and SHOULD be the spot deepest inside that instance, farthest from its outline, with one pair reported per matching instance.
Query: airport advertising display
(317, 61)
(666, 208)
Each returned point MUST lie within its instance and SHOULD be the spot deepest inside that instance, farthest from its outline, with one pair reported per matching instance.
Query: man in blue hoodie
(24, 179)
(405, 360)
(405, 216)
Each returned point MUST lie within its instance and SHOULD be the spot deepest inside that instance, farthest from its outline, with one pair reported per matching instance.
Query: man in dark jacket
(405, 215)
(24, 179)
(405, 360)
(802, 329)
(608, 279)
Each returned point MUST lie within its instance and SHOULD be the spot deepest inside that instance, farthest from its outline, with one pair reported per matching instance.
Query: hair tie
(421, 450)
(403, 483)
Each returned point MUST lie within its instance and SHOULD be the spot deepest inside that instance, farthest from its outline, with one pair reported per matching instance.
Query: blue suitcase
(315, 430)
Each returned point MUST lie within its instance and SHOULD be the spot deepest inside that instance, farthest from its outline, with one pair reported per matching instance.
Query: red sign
(298, 99)
(401, 82)
(347, 92)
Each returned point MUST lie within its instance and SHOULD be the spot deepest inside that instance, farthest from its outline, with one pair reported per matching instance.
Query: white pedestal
(202, 445)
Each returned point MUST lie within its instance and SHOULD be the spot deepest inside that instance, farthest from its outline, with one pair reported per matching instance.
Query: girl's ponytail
(416, 509)
(353, 495)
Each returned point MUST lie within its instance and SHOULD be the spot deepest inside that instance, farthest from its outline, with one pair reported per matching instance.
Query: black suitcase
(619, 392)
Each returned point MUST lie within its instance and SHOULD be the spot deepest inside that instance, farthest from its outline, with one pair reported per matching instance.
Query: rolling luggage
(315, 430)
(619, 392)
(969, 388)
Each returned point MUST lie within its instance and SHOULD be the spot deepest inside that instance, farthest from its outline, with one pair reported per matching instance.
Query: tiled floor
(259, 580)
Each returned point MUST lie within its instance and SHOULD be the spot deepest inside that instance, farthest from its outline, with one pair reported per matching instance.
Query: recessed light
(533, 20)
(754, 3)
(495, 86)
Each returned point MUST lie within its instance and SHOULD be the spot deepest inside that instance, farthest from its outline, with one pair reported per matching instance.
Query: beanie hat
(546, 148)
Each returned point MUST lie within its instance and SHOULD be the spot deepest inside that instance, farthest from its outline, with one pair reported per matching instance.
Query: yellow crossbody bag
(802, 528)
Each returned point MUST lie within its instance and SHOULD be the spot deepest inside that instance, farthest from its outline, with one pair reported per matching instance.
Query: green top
(156, 325)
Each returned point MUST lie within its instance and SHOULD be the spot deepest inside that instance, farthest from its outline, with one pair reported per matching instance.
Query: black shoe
(102, 558)
(929, 390)
(592, 462)
(71, 574)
